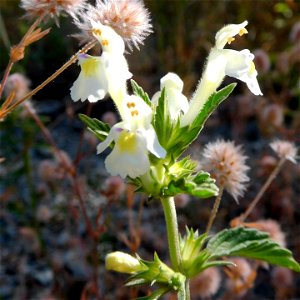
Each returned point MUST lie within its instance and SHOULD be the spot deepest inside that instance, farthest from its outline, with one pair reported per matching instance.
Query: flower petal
(91, 83)
(240, 66)
(113, 134)
(133, 162)
(153, 144)
(136, 112)
(110, 41)
(226, 34)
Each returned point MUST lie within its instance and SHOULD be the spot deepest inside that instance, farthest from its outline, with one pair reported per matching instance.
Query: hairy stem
(172, 232)
(214, 210)
(263, 189)
(187, 290)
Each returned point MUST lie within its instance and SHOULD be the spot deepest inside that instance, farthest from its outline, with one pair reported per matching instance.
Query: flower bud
(122, 262)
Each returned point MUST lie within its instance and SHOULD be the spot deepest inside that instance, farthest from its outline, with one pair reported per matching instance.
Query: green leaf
(250, 243)
(186, 135)
(97, 127)
(187, 185)
(210, 106)
(162, 122)
(138, 91)
(156, 294)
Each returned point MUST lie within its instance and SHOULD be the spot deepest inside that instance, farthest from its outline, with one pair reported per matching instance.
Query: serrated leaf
(138, 91)
(97, 127)
(211, 104)
(201, 177)
(205, 191)
(162, 122)
(182, 168)
(186, 135)
(94, 123)
(250, 243)
(185, 184)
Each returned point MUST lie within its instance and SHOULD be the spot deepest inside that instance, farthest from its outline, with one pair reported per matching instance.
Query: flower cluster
(113, 23)
(107, 74)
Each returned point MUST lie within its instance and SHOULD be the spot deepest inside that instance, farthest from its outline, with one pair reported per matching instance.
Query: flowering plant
(147, 146)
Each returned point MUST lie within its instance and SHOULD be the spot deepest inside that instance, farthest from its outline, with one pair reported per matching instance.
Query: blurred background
(46, 248)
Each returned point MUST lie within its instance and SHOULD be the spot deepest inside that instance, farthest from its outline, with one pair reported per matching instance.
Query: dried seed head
(207, 283)
(17, 83)
(241, 277)
(282, 277)
(114, 188)
(272, 228)
(285, 149)
(129, 18)
(262, 61)
(51, 8)
(226, 163)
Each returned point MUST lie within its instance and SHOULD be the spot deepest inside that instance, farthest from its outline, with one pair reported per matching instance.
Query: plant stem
(11, 62)
(187, 289)
(49, 79)
(263, 189)
(172, 232)
(173, 238)
(214, 210)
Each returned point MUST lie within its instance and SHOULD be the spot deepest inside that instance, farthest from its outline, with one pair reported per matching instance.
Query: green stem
(187, 290)
(172, 231)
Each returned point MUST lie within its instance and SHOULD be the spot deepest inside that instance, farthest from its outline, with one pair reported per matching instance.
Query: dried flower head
(282, 277)
(114, 188)
(129, 18)
(272, 228)
(17, 83)
(285, 149)
(241, 277)
(51, 8)
(262, 61)
(207, 283)
(226, 163)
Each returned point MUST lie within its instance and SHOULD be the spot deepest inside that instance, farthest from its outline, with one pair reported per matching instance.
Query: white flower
(222, 62)
(91, 83)
(133, 138)
(240, 66)
(176, 101)
(103, 74)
